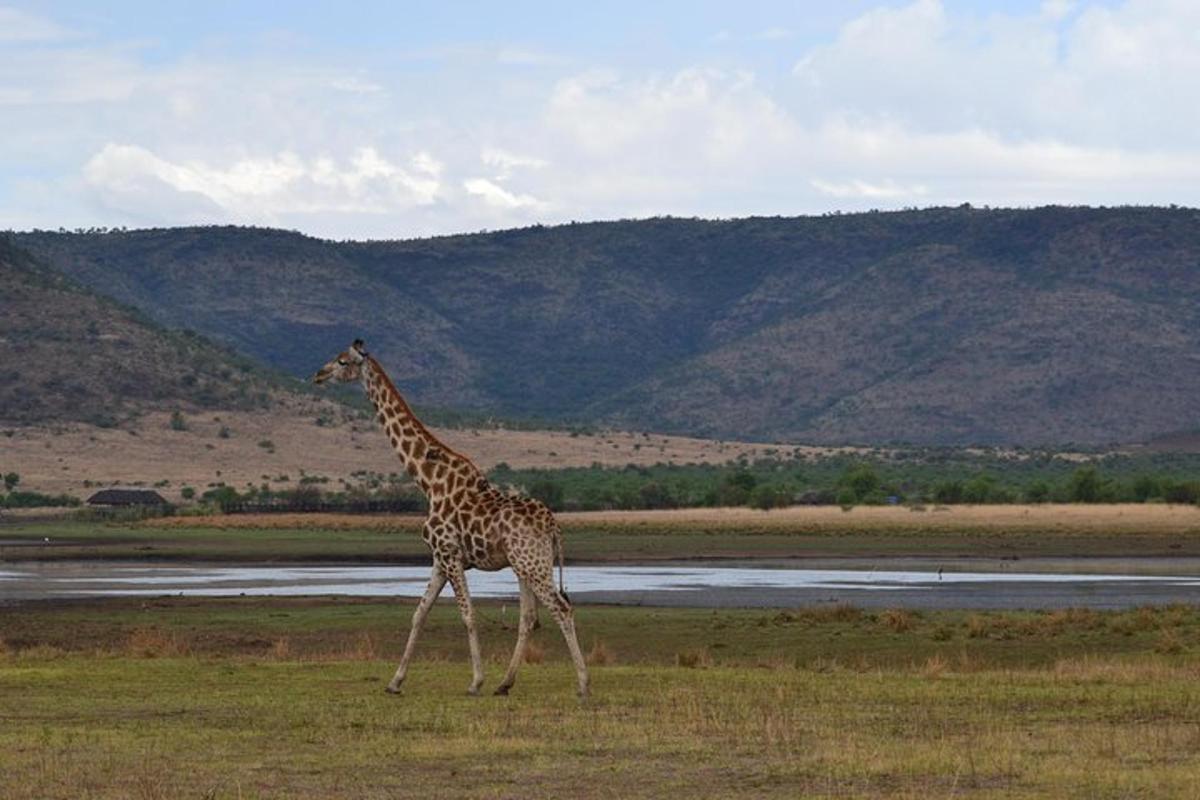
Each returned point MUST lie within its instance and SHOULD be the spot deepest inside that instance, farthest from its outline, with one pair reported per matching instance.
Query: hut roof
(126, 497)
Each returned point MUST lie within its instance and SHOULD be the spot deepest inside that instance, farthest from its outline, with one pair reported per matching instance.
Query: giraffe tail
(558, 545)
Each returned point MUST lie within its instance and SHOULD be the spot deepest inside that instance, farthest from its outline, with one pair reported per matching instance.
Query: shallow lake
(774, 585)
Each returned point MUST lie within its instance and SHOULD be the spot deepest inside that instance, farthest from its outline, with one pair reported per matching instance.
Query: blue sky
(383, 120)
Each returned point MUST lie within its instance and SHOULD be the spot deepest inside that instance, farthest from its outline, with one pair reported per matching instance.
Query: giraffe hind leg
(560, 608)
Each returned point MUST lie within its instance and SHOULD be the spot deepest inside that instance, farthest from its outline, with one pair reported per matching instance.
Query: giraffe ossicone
(471, 525)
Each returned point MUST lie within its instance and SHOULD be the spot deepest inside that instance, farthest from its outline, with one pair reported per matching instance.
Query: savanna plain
(282, 697)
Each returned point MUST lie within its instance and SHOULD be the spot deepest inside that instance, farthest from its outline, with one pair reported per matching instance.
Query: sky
(402, 119)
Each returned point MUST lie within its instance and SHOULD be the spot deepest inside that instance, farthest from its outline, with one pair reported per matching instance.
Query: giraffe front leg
(436, 582)
(463, 597)
(528, 617)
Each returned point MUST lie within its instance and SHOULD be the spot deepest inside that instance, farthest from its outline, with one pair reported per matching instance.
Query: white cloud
(355, 85)
(20, 26)
(505, 163)
(264, 189)
(1057, 9)
(855, 188)
(696, 115)
(499, 197)
(1100, 77)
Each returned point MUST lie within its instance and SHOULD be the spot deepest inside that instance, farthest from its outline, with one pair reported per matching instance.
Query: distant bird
(46, 540)
(939, 573)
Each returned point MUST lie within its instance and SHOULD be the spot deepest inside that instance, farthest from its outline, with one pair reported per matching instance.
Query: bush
(948, 492)
(177, 422)
(862, 481)
(735, 488)
(223, 497)
(1037, 492)
(1181, 492)
(548, 492)
(1086, 486)
(979, 489)
(655, 495)
(36, 500)
(846, 499)
(767, 497)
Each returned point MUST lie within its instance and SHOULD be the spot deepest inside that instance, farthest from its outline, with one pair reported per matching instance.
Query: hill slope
(945, 326)
(67, 354)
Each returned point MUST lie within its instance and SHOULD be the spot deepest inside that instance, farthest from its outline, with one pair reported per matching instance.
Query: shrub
(548, 492)
(1086, 485)
(37, 500)
(862, 480)
(1037, 492)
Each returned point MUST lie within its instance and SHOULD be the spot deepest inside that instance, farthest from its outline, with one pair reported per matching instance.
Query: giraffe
(471, 525)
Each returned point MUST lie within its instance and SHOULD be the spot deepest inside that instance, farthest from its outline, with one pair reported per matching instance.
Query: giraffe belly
(485, 562)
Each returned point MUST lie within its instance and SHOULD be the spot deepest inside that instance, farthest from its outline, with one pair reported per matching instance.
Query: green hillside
(68, 354)
(953, 325)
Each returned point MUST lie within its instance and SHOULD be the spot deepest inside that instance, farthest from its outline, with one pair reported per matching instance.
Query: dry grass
(694, 658)
(600, 655)
(935, 666)
(1049, 518)
(151, 642)
(57, 459)
(899, 620)
(534, 653)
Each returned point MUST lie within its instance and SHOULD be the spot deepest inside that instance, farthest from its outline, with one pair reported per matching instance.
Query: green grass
(282, 698)
(88, 540)
(851, 535)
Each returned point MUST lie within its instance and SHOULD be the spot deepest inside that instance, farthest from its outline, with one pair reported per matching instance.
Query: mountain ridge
(937, 326)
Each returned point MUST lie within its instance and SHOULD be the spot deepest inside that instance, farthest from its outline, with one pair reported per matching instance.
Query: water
(672, 585)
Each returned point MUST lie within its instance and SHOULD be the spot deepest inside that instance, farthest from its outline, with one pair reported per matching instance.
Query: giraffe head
(346, 366)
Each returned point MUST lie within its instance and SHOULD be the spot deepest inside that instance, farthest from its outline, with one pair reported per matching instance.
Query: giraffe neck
(440, 472)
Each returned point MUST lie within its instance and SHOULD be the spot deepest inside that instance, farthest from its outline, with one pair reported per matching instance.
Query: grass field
(800, 532)
(282, 698)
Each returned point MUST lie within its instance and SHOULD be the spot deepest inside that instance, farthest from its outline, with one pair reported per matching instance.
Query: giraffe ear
(359, 345)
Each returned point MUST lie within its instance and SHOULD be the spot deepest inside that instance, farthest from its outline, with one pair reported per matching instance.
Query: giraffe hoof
(501, 691)
(473, 691)
(392, 689)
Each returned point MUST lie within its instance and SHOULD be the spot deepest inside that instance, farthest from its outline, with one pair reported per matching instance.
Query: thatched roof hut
(126, 497)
